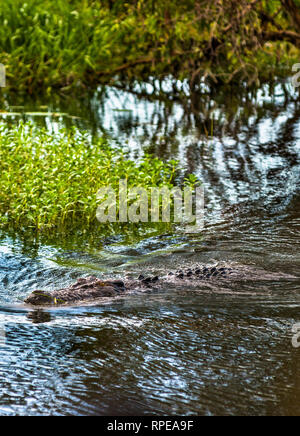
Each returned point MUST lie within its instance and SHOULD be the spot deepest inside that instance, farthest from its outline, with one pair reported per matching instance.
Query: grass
(48, 182)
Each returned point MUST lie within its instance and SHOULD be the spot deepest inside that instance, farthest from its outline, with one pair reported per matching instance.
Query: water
(205, 351)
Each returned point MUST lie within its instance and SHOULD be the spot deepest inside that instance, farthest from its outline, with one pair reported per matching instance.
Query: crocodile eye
(119, 283)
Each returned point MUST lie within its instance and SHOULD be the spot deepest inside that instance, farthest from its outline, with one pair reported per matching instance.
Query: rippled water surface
(177, 351)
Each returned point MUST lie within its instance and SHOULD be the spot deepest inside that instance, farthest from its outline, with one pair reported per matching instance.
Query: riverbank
(75, 45)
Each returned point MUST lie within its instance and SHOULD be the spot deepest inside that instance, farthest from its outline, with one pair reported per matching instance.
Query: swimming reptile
(93, 288)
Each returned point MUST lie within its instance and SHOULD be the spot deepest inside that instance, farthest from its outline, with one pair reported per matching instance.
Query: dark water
(177, 351)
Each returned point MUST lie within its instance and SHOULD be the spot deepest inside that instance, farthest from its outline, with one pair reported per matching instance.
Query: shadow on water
(176, 351)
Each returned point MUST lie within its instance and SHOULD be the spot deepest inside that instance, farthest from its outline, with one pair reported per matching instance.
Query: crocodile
(93, 288)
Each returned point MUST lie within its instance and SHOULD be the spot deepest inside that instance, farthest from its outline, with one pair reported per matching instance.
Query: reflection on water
(161, 354)
(177, 351)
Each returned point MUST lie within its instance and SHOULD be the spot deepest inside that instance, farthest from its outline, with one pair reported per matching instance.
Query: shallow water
(205, 351)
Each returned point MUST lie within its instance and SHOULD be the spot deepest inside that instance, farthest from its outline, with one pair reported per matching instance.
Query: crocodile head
(41, 297)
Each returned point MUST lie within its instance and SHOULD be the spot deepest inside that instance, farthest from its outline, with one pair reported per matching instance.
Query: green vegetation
(49, 182)
(78, 43)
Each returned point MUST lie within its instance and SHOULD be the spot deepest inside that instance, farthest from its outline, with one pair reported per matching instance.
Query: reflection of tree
(240, 141)
(229, 107)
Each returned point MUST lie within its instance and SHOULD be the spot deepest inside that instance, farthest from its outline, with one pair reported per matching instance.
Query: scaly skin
(92, 288)
(84, 289)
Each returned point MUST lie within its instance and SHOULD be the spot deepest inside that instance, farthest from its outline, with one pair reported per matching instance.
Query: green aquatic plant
(49, 182)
